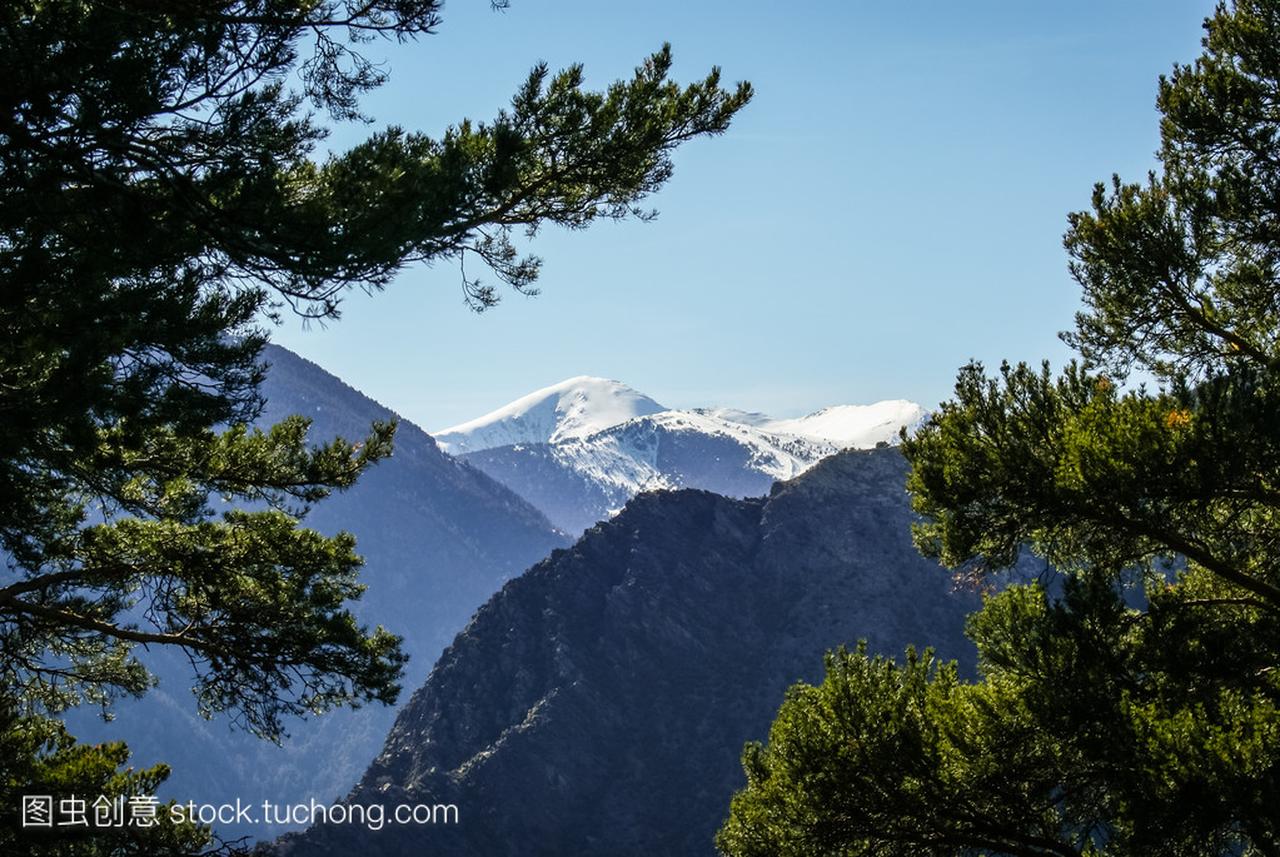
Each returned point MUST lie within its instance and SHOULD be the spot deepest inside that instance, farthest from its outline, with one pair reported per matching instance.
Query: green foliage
(38, 757)
(1088, 734)
(132, 551)
(160, 197)
(1132, 709)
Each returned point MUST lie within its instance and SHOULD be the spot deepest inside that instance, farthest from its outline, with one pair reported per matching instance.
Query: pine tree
(161, 199)
(1097, 727)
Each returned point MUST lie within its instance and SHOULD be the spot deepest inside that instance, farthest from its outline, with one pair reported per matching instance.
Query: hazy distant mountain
(579, 450)
(599, 703)
(438, 538)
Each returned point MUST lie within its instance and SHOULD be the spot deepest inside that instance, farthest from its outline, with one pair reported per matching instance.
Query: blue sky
(890, 205)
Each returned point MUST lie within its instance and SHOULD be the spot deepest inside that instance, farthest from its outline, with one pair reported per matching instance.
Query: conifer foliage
(1096, 727)
(161, 198)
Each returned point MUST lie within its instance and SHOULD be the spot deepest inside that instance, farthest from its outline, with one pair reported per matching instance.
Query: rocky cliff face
(598, 704)
(438, 538)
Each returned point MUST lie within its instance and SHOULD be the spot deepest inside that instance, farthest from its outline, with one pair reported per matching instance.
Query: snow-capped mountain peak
(574, 408)
(580, 449)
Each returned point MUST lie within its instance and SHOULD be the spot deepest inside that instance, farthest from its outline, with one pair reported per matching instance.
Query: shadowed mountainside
(438, 538)
(598, 704)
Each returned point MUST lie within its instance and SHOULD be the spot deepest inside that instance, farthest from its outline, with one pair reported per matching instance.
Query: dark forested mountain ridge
(598, 704)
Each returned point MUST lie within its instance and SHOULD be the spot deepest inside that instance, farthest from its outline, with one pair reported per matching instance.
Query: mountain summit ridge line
(580, 449)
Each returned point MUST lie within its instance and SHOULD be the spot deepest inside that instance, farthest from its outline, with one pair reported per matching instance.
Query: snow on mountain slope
(860, 426)
(544, 447)
(574, 408)
(776, 454)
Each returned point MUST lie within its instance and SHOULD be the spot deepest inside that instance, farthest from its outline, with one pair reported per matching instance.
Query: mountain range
(580, 449)
(598, 703)
(441, 533)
